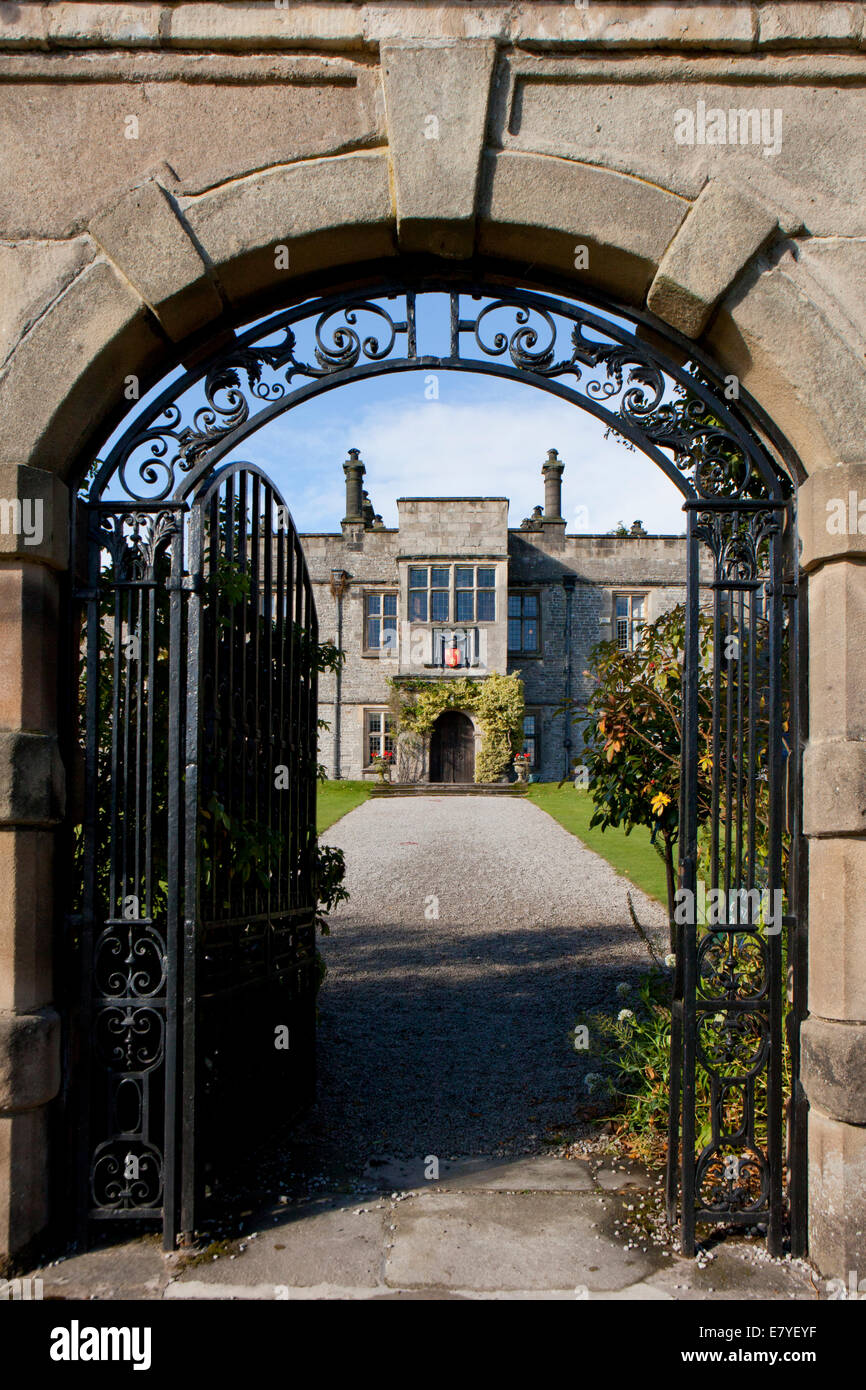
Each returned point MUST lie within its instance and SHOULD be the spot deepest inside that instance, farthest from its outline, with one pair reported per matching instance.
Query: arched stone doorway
(452, 748)
(739, 506)
(517, 183)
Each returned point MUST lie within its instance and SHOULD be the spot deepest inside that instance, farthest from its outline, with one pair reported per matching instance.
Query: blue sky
(482, 437)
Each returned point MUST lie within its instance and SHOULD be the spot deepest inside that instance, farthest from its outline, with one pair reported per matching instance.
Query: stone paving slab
(332, 1242)
(478, 1243)
(486, 1174)
(488, 1241)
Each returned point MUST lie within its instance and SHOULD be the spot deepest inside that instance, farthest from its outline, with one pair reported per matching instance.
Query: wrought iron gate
(736, 896)
(189, 562)
(196, 1031)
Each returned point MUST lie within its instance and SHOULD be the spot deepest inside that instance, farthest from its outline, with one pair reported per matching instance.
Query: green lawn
(631, 855)
(334, 799)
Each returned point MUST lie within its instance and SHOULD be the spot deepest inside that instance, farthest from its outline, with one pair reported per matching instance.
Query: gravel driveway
(448, 1034)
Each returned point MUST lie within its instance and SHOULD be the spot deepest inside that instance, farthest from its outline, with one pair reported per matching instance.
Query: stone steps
(448, 789)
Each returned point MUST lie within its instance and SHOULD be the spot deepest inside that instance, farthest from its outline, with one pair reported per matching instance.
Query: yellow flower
(659, 802)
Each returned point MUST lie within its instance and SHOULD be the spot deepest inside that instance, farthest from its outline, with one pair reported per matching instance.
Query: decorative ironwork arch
(595, 361)
(727, 990)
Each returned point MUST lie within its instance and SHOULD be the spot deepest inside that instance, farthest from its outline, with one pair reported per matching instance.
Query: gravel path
(449, 1035)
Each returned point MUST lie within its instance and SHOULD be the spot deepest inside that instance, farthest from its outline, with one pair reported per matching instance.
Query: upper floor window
(475, 594)
(380, 623)
(523, 626)
(629, 611)
(430, 594)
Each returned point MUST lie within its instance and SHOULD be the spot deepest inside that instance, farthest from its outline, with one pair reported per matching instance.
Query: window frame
(453, 592)
(532, 713)
(634, 625)
(522, 651)
(381, 594)
(384, 714)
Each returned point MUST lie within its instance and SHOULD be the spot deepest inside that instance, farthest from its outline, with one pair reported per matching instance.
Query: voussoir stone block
(321, 213)
(34, 516)
(803, 361)
(73, 364)
(32, 780)
(724, 229)
(834, 787)
(29, 1059)
(436, 99)
(144, 236)
(32, 274)
(837, 1195)
(541, 209)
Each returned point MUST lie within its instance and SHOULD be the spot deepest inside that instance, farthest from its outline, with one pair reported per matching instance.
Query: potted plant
(521, 766)
(383, 764)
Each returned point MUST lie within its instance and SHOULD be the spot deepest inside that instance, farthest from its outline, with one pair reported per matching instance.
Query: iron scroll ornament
(574, 351)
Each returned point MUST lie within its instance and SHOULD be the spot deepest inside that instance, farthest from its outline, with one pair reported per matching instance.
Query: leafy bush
(497, 700)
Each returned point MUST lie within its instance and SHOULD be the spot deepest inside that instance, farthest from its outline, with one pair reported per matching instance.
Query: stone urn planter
(521, 767)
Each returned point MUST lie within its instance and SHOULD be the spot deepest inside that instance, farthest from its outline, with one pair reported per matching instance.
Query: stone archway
(109, 296)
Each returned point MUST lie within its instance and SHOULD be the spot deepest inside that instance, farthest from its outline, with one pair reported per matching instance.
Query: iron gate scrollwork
(176, 528)
(197, 867)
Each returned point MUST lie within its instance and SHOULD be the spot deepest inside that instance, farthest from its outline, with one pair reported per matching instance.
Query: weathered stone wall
(153, 157)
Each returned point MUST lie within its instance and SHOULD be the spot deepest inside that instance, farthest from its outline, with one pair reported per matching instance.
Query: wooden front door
(452, 748)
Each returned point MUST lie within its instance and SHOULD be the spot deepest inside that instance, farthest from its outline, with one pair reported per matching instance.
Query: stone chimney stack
(552, 472)
(354, 471)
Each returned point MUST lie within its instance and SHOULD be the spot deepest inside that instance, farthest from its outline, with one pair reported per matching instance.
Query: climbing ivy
(496, 700)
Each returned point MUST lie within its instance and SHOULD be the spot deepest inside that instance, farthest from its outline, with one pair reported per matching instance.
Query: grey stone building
(453, 591)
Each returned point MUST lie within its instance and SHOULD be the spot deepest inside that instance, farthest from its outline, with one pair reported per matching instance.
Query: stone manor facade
(453, 591)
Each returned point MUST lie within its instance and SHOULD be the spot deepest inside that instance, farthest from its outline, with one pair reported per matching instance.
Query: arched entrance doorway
(452, 748)
(738, 822)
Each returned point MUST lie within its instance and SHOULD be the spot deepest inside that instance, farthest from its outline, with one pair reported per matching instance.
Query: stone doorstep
(474, 1244)
(448, 789)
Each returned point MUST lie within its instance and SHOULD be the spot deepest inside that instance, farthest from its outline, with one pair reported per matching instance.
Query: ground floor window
(379, 734)
(530, 739)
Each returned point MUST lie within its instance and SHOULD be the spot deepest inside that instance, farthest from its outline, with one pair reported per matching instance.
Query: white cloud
(457, 447)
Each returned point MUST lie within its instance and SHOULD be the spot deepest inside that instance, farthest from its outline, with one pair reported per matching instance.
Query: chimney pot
(552, 472)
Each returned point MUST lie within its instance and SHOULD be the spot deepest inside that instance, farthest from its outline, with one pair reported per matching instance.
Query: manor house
(453, 591)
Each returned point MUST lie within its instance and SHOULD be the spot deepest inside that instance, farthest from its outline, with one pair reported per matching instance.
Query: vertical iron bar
(176, 1101)
(689, 836)
(192, 1107)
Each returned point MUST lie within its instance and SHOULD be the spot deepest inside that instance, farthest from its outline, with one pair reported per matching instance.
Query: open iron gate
(195, 1034)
